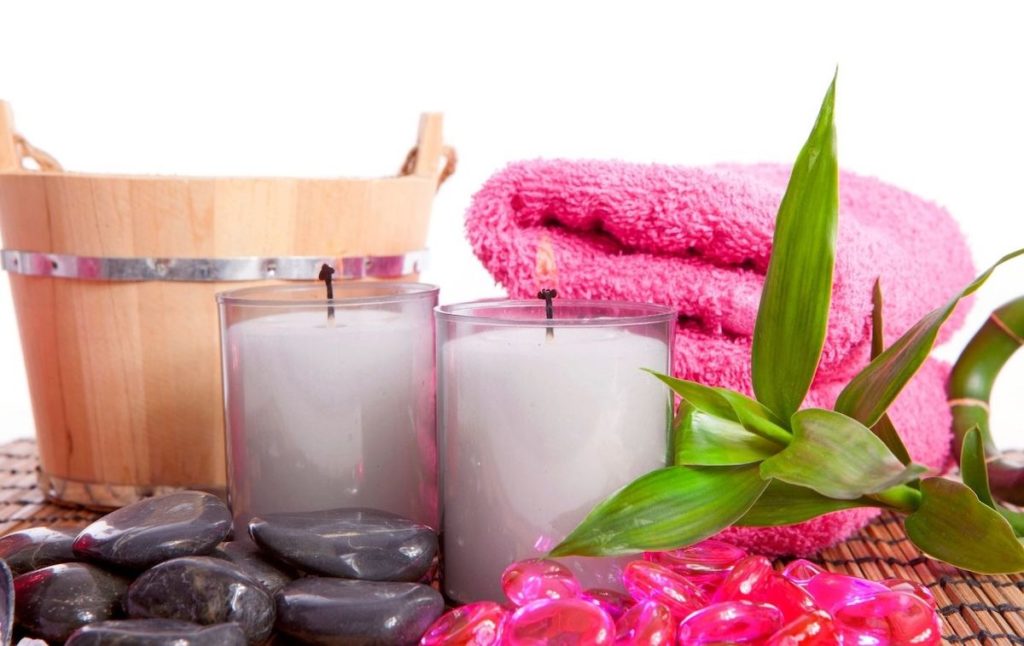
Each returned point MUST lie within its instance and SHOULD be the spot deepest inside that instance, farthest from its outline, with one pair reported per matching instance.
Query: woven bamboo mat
(974, 609)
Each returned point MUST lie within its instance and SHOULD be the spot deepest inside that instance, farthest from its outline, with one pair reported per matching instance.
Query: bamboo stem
(970, 386)
(901, 498)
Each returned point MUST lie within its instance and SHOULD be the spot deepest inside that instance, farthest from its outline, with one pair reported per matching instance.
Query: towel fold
(699, 240)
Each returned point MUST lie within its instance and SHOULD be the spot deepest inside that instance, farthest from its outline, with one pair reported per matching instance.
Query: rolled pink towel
(699, 239)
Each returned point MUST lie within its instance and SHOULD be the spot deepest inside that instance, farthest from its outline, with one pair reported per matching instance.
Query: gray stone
(255, 563)
(36, 547)
(156, 632)
(203, 590)
(144, 533)
(365, 544)
(6, 604)
(53, 602)
(318, 610)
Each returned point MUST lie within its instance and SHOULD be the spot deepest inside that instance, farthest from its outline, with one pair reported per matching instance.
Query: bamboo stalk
(970, 386)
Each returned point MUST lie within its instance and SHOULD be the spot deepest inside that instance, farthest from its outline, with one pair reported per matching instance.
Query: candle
(537, 429)
(330, 412)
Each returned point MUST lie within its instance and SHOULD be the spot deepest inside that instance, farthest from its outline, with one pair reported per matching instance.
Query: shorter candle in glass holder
(538, 428)
(325, 413)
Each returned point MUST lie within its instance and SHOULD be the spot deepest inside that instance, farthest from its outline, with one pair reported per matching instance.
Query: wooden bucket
(113, 279)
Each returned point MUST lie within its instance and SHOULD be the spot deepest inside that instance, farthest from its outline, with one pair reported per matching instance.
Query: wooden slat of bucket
(9, 159)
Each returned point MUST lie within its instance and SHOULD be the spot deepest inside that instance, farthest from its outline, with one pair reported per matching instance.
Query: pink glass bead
(747, 576)
(703, 558)
(801, 571)
(650, 581)
(474, 624)
(919, 590)
(831, 590)
(753, 579)
(559, 621)
(648, 623)
(533, 579)
(731, 622)
(611, 601)
(888, 619)
(813, 629)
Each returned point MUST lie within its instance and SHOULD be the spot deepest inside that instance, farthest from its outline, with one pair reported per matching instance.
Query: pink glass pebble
(650, 581)
(533, 579)
(888, 619)
(566, 622)
(831, 590)
(648, 623)
(801, 571)
(611, 601)
(747, 576)
(704, 564)
(731, 622)
(474, 624)
(703, 558)
(919, 590)
(813, 629)
(753, 579)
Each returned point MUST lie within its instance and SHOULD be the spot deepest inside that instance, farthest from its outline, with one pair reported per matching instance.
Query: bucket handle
(15, 149)
(423, 159)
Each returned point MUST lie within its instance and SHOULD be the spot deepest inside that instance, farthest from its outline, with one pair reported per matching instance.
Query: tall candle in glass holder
(330, 404)
(540, 420)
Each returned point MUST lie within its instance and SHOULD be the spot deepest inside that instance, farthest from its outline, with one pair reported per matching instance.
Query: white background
(931, 97)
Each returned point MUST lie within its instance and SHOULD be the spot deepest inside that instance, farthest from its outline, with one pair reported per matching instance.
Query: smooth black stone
(318, 610)
(53, 602)
(365, 544)
(255, 563)
(36, 547)
(6, 604)
(203, 590)
(147, 532)
(156, 632)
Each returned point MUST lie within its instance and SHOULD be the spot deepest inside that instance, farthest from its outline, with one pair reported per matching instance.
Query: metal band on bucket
(33, 263)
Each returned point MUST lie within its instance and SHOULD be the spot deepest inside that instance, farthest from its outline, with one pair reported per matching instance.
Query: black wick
(326, 272)
(548, 295)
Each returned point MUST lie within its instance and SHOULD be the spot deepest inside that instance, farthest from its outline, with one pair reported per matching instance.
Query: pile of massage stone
(162, 571)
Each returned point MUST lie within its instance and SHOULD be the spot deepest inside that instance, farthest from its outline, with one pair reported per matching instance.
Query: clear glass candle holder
(330, 403)
(540, 419)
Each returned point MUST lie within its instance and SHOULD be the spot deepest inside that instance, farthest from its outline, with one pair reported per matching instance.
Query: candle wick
(326, 272)
(548, 295)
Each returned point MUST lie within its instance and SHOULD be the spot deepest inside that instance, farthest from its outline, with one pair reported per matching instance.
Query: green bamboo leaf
(953, 525)
(973, 469)
(706, 440)
(884, 429)
(665, 509)
(793, 316)
(870, 393)
(698, 395)
(784, 504)
(1015, 518)
(730, 405)
(838, 457)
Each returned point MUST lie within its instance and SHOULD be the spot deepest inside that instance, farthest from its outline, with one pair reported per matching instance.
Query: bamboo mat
(975, 609)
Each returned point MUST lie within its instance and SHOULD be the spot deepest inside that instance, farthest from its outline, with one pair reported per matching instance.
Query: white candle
(535, 433)
(325, 415)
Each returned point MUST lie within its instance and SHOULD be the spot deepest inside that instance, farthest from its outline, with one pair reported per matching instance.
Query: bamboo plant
(763, 461)
(970, 386)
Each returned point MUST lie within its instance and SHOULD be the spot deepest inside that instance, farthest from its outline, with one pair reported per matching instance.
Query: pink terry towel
(699, 239)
